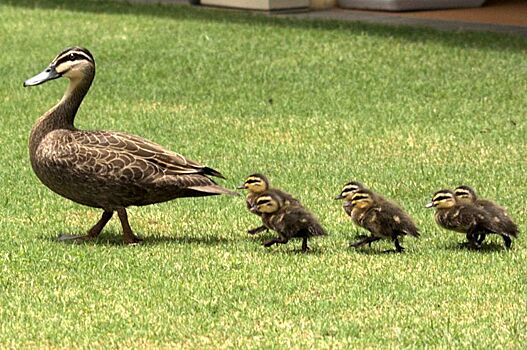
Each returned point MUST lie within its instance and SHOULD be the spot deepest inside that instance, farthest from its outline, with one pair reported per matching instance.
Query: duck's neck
(62, 115)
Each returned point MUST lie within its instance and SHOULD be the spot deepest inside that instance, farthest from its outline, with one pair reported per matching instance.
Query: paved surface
(502, 16)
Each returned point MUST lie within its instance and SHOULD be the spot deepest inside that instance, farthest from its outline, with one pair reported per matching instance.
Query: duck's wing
(126, 148)
(128, 159)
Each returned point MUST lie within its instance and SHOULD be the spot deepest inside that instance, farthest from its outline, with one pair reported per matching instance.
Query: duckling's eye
(72, 57)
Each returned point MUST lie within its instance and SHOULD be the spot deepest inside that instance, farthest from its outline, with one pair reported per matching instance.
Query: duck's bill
(241, 187)
(47, 74)
(429, 205)
(339, 197)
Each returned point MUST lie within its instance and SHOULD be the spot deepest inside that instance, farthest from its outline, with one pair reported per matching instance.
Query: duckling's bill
(47, 74)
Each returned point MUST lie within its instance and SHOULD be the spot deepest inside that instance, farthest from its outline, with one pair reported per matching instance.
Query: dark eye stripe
(441, 198)
(76, 55)
(252, 181)
(359, 197)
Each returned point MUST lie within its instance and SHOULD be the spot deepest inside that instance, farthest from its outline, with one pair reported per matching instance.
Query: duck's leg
(128, 235)
(257, 230)
(305, 248)
(507, 240)
(398, 247)
(93, 232)
(281, 240)
(472, 240)
(366, 240)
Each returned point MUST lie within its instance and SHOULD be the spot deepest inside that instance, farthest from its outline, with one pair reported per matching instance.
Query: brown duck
(257, 184)
(501, 219)
(103, 169)
(288, 220)
(383, 218)
(466, 218)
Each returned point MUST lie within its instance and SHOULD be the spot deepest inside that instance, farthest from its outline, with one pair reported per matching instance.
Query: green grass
(406, 111)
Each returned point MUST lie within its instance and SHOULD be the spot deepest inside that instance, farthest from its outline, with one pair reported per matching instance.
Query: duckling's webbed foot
(366, 240)
(257, 230)
(128, 235)
(92, 233)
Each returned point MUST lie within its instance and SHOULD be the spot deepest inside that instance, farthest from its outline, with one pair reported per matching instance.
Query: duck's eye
(72, 57)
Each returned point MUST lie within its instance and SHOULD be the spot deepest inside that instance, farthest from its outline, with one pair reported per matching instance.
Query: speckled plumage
(464, 218)
(257, 185)
(103, 169)
(382, 218)
(497, 214)
(289, 221)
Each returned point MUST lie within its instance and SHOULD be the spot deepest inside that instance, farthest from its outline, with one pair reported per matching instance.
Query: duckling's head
(73, 63)
(256, 183)
(465, 194)
(361, 199)
(350, 189)
(442, 199)
(267, 204)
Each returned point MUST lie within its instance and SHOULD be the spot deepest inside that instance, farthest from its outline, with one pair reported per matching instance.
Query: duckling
(466, 218)
(104, 169)
(504, 223)
(383, 218)
(257, 184)
(288, 220)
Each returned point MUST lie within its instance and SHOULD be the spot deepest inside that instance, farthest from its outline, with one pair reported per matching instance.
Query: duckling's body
(498, 215)
(461, 217)
(258, 185)
(289, 221)
(382, 218)
(102, 169)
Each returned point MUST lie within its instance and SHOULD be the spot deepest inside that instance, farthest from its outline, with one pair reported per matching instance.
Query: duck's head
(256, 183)
(267, 204)
(442, 199)
(465, 194)
(73, 63)
(350, 189)
(361, 199)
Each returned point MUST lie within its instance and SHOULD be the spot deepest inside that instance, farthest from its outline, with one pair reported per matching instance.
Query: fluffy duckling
(504, 223)
(461, 217)
(290, 221)
(257, 184)
(384, 219)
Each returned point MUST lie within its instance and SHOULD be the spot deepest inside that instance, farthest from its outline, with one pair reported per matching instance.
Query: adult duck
(104, 169)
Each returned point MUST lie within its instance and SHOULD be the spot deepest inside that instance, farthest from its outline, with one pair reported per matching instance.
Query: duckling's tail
(315, 229)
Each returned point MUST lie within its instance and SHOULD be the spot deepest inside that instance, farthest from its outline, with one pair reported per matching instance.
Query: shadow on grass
(116, 239)
(490, 247)
(489, 41)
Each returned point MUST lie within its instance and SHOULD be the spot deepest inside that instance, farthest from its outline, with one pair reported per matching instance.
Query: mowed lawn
(310, 104)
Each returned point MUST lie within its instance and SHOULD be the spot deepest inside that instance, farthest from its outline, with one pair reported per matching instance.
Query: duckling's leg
(128, 235)
(472, 240)
(366, 240)
(481, 238)
(257, 230)
(507, 240)
(281, 240)
(398, 247)
(305, 248)
(93, 232)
